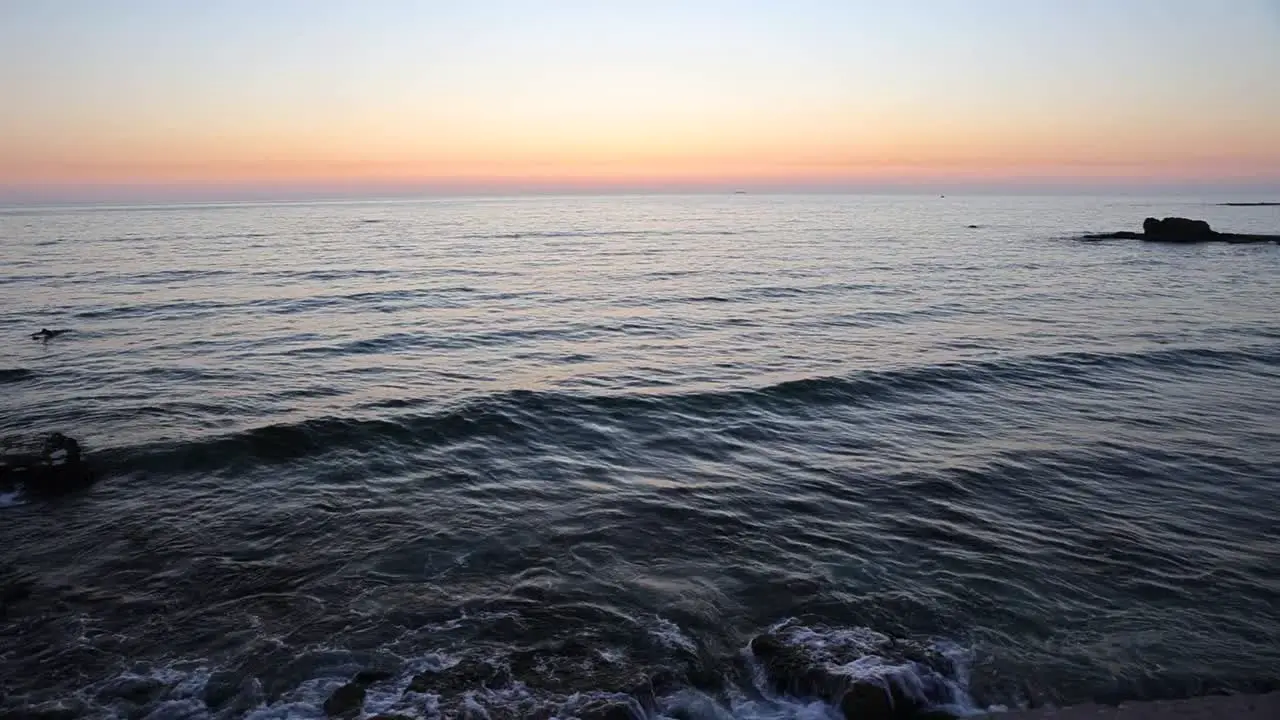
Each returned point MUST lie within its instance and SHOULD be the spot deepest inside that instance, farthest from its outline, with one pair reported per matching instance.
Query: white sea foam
(181, 688)
(670, 634)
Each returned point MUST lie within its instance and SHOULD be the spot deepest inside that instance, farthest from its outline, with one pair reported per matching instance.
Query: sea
(564, 447)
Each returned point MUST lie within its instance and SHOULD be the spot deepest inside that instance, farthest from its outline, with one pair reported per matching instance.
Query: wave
(516, 413)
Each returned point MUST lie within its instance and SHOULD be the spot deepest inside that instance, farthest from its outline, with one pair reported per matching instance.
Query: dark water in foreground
(585, 440)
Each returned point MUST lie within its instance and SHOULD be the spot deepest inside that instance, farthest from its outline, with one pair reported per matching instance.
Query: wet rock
(14, 593)
(43, 712)
(1120, 235)
(572, 667)
(220, 689)
(346, 701)
(885, 698)
(369, 677)
(231, 693)
(935, 715)
(867, 700)
(612, 709)
(458, 679)
(47, 465)
(134, 690)
(867, 676)
(791, 671)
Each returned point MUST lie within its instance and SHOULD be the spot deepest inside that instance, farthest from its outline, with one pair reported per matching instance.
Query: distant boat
(739, 192)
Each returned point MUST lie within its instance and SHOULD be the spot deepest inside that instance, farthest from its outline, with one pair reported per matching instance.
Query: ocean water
(589, 440)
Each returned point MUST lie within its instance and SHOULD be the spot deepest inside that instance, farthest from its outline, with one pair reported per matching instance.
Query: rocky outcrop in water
(43, 466)
(867, 677)
(346, 701)
(1181, 230)
(46, 334)
(1176, 229)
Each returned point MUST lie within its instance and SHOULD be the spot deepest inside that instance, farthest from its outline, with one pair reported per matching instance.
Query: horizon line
(273, 196)
(150, 194)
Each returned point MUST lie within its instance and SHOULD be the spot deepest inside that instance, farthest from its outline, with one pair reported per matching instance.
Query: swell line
(515, 413)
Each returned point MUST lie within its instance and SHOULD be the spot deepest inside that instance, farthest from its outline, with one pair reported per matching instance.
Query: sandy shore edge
(1215, 707)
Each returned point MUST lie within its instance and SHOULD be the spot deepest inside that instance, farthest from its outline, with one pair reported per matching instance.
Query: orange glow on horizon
(639, 94)
(625, 161)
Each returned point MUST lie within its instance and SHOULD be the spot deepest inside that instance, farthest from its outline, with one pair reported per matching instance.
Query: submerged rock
(867, 677)
(46, 334)
(135, 690)
(1181, 230)
(608, 709)
(369, 677)
(45, 712)
(458, 679)
(346, 701)
(232, 694)
(48, 466)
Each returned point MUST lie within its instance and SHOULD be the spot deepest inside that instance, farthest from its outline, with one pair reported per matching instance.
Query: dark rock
(232, 694)
(935, 715)
(220, 689)
(1176, 229)
(15, 593)
(867, 701)
(1181, 230)
(1249, 204)
(346, 701)
(1122, 235)
(43, 712)
(135, 690)
(611, 709)
(904, 682)
(574, 666)
(369, 677)
(43, 466)
(790, 670)
(455, 680)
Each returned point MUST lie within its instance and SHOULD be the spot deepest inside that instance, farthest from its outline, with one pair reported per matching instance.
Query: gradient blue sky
(394, 94)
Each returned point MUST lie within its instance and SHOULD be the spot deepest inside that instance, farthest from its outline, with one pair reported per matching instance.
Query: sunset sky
(494, 94)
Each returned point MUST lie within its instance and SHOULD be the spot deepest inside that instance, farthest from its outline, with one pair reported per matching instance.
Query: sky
(190, 96)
